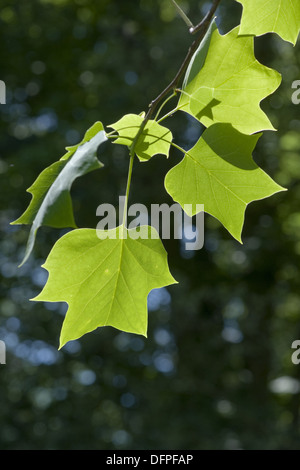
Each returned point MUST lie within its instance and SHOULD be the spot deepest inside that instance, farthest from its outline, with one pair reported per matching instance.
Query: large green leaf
(155, 139)
(271, 16)
(105, 279)
(51, 202)
(230, 85)
(220, 173)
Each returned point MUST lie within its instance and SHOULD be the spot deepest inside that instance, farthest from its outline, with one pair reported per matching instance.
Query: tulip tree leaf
(271, 16)
(220, 173)
(155, 139)
(105, 279)
(230, 85)
(51, 203)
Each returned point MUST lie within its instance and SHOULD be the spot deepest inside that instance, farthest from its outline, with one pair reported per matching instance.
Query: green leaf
(105, 280)
(220, 173)
(155, 139)
(271, 16)
(230, 85)
(51, 202)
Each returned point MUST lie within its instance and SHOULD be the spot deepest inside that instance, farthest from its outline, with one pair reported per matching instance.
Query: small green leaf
(230, 85)
(105, 280)
(51, 202)
(220, 173)
(271, 16)
(155, 139)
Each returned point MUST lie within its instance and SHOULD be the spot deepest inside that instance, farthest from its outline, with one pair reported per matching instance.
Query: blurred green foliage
(216, 369)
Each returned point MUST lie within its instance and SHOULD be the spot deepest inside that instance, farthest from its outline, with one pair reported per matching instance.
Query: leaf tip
(36, 298)
(62, 342)
(24, 260)
(237, 237)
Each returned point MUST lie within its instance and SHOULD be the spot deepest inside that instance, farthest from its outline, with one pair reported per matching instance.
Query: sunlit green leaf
(230, 85)
(155, 139)
(105, 280)
(220, 173)
(271, 16)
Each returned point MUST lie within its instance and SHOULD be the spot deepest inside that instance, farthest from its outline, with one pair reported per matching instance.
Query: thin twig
(183, 15)
(208, 17)
(202, 29)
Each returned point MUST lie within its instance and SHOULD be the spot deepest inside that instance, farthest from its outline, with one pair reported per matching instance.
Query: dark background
(216, 369)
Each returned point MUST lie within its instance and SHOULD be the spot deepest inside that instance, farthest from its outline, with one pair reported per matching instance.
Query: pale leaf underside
(51, 203)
